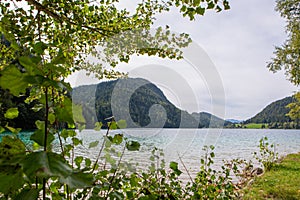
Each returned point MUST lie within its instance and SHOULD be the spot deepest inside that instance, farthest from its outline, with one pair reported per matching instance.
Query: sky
(227, 75)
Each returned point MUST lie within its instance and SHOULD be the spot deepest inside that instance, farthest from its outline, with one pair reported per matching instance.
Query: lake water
(188, 143)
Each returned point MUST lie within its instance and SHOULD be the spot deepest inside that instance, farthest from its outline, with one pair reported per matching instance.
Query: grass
(253, 126)
(281, 182)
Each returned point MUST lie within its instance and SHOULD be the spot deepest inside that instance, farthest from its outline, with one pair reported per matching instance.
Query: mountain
(139, 102)
(275, 115)
(209, 120)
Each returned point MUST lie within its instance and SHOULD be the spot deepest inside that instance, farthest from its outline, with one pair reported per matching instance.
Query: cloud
(239, 42)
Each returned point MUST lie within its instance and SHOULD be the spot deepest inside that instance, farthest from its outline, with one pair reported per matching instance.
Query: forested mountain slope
(139, 102)
(273, 113)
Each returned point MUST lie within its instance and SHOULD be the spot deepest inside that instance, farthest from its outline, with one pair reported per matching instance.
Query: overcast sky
(239, 43)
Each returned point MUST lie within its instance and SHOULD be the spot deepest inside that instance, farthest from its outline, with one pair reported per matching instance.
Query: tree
(44, 41)
(294, 107)
(287, 56)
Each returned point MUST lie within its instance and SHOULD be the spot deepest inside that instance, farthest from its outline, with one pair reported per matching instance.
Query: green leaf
(77, 114)
(200, 10)
(88, 162)
(226, 5)
(67, 133)
(117, 139)
(2, 129)
(98, 126)
(174, 167)
(210, 5)
(93, 144)
(51, 118)
(64, 111)
(28, 194)
(112, 125)
(40, 124)
(13, 130)
(10, 146)
(78, 160)
(39, 47)
(196, 3)
(13, 80)
(122, 124)
(39, 136)
(11, 179)
(45, 164)
(30, 66)
(81, 127)
(11, 113)
(133, 146)
(78, 180)
(76, 141)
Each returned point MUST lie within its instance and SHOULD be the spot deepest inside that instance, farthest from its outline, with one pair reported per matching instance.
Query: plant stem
(115, 171)
(101, 149)
(187, 171)
(45, 136)
(46, 119)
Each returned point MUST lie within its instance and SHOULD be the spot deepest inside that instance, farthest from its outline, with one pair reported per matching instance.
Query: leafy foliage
(42, 42)
(267, 154)
(294, 107)
(287, 56)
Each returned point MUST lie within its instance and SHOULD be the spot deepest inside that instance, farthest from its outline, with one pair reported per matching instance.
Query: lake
(188, 143)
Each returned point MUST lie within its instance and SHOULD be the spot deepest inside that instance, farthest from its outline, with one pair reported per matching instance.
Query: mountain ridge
(140, 103)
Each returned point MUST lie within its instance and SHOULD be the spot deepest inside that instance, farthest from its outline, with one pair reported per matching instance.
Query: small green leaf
(39, 136)
(174, 165)
(196, 3)
(28, 194)
(133, 146)
(98, 126)
(13, 130)
(67, 133)
(51, 118)
(10, 146)
(2, 129)
(81, 127)
(77, 114)
(64, 111)
(78, 160)
(40, 124)
(112, 125)
(93, 144)
(210, 5)
(11, 113)
(30, 66)
(39, 47)
(88, 162)
(122, 124)
(76, 141)
(78, 180)
(200, 10)
(11, 180)
(117, 139)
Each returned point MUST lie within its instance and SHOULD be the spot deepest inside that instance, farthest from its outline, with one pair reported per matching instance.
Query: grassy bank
(282, 182)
